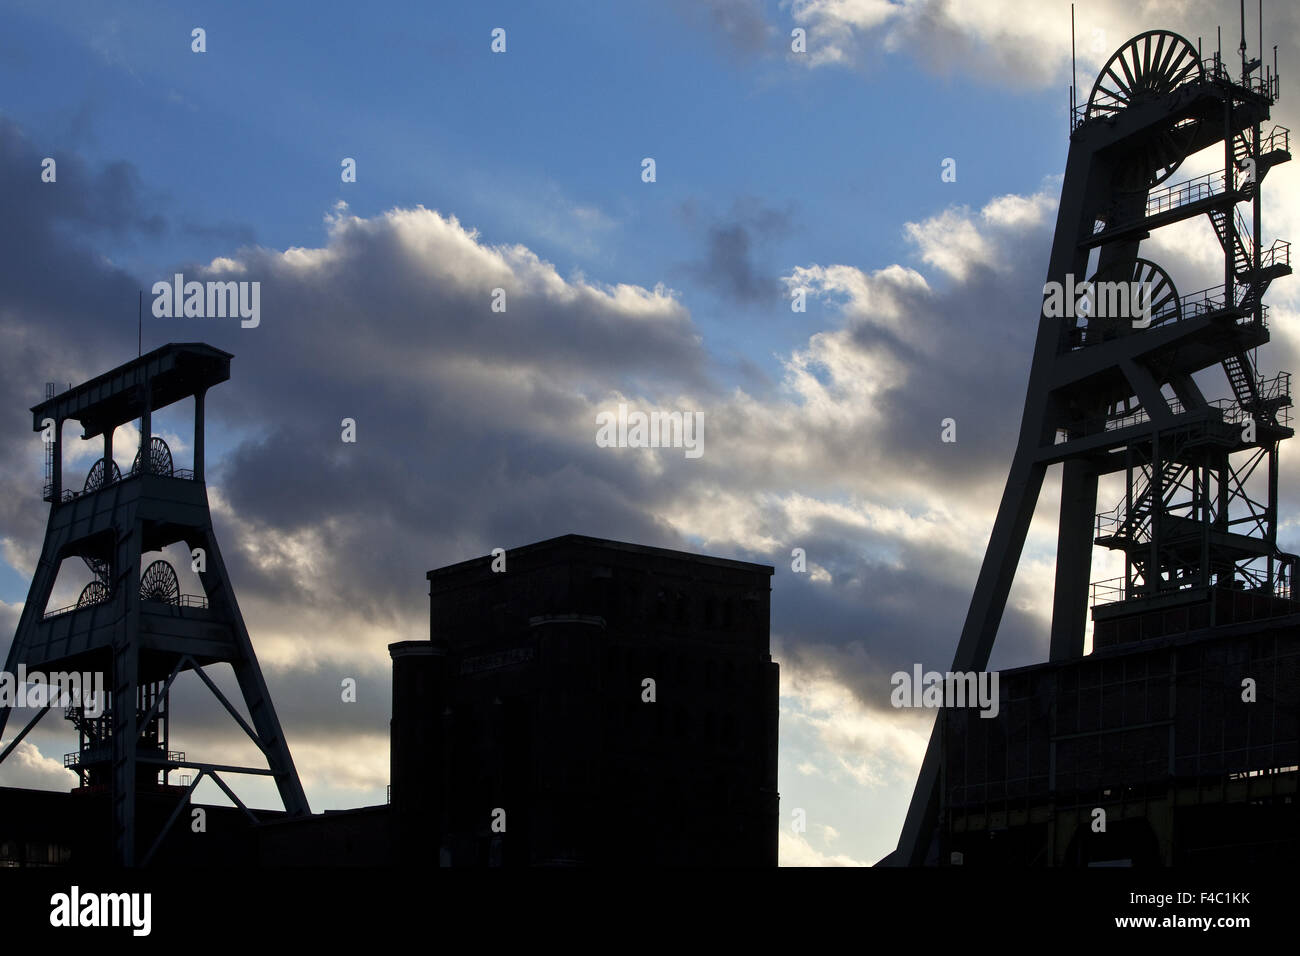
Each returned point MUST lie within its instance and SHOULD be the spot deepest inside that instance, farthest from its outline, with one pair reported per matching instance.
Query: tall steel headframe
(133, 624)
(1112, 387)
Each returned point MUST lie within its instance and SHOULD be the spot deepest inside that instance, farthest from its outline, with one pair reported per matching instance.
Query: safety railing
(68, 610)
(185, 600)
(1109, 591)
(1278, 254)
(1175, 196)
(1279, 138)
(104, 752)
(1275, 391)
(1245, 234)
(1201, 302)
(1215, 71)
(1114, 590)
(47, 491)
(1186, 192)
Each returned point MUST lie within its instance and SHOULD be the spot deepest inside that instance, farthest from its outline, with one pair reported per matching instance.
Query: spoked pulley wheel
(1126, 296)
(96, 479)
(1150, 64)
(159, 583)
(160, 459)
(96, 592)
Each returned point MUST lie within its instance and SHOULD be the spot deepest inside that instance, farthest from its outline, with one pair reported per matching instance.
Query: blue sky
(774, 170)
(541, 145)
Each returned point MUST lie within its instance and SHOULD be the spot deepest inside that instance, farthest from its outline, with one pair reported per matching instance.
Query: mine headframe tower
(130, 623)
(1111, 388)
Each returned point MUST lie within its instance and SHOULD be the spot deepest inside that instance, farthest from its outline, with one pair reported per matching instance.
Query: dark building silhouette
(529, 708)
(528, 698)
(1154, 732)
(1175, 741)
(45, 828)
(131, 623)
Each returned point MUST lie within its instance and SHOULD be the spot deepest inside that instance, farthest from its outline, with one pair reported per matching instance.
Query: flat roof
(172, 372)
(606, 545)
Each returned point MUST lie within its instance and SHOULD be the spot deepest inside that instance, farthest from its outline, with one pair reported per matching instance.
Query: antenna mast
(1074, 70)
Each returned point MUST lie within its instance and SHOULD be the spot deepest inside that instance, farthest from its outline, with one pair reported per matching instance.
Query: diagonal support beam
(175, 814)
(1148, 392)
(216, 691)
(13, 744)
(232, 795)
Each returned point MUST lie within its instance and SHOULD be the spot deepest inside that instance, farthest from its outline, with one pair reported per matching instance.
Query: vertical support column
(1073, 559)
(146, 427)
(1128, 516)
(1230, 211)
(1225, 492)
(1270, 529)
(1255, 216)
(1154, 508)
(198, 433)
(56, 477)
(108, 454)
(1205, 492)
(125, 726)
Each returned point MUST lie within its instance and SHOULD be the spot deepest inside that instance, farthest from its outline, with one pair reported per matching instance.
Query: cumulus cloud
(476, 430)
(793, 849)
(28, 768)
(871, 746)
(1010, 43)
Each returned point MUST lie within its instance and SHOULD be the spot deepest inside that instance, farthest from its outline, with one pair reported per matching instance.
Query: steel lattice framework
(1111, 395)
(134, 625)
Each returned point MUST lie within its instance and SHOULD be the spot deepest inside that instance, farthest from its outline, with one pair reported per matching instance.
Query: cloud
(742, 23)
(1009, 43)
(793, 849)
(233, 233)
(476, 430)
(28, 768)
(732, 241)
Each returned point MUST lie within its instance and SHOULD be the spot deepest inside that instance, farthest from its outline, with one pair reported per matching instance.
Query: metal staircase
(1241, 377)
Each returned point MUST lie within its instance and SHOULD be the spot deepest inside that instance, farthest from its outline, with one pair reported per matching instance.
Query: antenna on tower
(1248, 66)
(1074, 70)
(139, 324)
(1241, 47)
